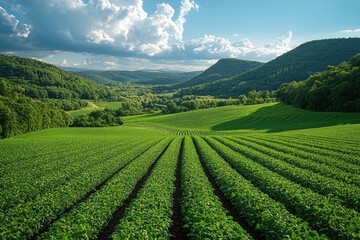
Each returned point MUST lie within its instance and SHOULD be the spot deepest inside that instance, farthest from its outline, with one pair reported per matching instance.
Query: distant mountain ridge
(297, 64)
(142, 77)
(224, 68)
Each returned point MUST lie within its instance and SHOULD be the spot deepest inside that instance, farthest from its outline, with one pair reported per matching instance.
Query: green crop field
(265, 171)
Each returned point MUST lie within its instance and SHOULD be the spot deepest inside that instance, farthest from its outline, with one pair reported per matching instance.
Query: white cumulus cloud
(213, 46)
(12, 26)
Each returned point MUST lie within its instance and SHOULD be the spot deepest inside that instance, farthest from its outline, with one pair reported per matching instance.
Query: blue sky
(181, 35)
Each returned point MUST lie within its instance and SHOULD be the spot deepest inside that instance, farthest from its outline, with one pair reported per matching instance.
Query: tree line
(336, 89)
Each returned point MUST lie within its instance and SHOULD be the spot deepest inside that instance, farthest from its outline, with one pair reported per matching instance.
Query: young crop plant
(89, 218)
(314, 162)
(149, 215)
(27, 219)
(324, 214)
(205, 217)
(261, 212)
(347, 193)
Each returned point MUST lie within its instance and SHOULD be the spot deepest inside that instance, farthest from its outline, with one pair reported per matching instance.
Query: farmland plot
(161, 184)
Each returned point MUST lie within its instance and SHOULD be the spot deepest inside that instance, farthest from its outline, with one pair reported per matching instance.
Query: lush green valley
(182, 165)
(260, 171)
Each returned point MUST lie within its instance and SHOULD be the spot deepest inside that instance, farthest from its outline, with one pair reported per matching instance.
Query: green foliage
(258, 208)
(22, 115)
(149, 215)
(297, 64)
(336, 89)
(269, 117)
(324, 213)
(300, 184)
(205, 216)
(41, 80)
(257, 97)
(99, 118)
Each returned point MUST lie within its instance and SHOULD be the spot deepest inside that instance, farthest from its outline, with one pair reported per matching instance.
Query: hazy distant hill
(224, 68)
(297, 64)
(42, 80)
(138, 77)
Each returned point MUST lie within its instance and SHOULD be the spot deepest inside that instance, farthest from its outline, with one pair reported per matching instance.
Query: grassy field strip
(89, 218)
(44, 164)
(309, 156)
(205, 216)
(25, 220)
(149, 215)
(323, 213)
(332, 150)
(23, 190)
(41, 162)
(261, 212)
(330, 147)
(313, 154)
(351, 143)
(347, 193)
(276, 151)
(14, 152)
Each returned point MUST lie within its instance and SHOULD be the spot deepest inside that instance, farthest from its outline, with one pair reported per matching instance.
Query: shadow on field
(280, 117)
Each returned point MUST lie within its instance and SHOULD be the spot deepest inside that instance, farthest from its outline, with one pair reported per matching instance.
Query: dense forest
(99, 118)
(41, 80)
(336, 89)
(20, 114)
(295, 65)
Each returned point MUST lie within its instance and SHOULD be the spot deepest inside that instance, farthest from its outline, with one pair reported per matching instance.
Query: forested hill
(41, 80)
(295, 65)
(138, 77)
(224, 68)
(336, 89)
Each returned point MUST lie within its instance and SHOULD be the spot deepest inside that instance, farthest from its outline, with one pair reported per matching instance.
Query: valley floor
(239, 172)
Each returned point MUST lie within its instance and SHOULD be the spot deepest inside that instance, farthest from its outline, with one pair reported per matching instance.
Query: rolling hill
(297, 64)
(41, 80)
(141, 77)
(270, 117)
(224, 68)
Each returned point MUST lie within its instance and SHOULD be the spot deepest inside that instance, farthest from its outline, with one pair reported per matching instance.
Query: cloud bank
(120, 29)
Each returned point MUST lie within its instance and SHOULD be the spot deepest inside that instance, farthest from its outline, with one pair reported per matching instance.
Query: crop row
(349, 194)
(314, 147)
(24, 188)
(205, 216)
(149, 215)
(347, 145)
(330, 162)
(323, 213)
(88, 219)
(26, 219)
(261, 212)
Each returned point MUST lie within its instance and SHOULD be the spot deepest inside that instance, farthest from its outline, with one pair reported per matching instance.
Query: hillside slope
(270, 117)
(224, 68)
(336, 89)
(138, 77)
(42, 80)
(297, 64)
